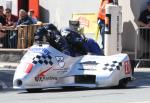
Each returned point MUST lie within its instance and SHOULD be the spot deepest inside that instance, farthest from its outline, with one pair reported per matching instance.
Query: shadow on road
(142, 78)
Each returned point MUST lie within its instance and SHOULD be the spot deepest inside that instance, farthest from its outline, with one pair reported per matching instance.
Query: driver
(53, 37)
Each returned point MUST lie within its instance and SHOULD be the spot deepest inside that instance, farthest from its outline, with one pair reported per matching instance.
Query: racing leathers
(80, 45)
(53, 37)
(92, 47)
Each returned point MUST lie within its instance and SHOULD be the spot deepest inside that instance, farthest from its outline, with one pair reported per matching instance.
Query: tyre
(122, 84)
(69, 88)
(34, 90)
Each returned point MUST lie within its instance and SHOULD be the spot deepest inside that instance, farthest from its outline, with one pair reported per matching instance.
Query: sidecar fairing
(43, 66)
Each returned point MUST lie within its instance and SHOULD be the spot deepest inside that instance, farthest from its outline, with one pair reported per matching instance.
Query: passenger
(92, 47)
(75, 42)
(53, 37)
(80, 45)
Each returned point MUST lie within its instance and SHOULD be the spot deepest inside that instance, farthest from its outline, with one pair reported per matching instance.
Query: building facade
(60, 12)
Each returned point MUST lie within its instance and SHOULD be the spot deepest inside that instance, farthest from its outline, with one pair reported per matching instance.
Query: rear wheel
(34, 90)
(123, 83)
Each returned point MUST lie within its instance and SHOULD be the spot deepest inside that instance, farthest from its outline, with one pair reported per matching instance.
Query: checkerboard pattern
(42, 59)
(112, 66)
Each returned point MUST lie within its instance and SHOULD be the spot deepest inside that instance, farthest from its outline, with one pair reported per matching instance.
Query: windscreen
(33, 52)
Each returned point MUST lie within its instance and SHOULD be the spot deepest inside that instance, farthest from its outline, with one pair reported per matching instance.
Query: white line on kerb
(139, 102)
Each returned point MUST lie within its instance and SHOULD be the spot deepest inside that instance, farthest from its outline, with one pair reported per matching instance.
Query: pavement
(8, 65)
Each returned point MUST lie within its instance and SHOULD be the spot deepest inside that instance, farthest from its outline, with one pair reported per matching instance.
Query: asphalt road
(6, 78)
(137, 92)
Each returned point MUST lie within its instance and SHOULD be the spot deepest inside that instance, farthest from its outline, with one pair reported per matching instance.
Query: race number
(28, 67)
(127, 67)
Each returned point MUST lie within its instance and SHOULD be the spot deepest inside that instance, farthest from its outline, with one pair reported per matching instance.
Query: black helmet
(41, 31)
(51, 27)
(38, 35)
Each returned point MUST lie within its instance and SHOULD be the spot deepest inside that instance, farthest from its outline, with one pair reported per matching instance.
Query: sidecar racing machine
(43, 66)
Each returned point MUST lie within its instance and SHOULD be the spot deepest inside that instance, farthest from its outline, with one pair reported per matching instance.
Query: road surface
(137, 92)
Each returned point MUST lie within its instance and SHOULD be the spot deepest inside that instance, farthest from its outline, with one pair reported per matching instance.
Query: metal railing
(20, 38)
(7, 38)
(142, 45)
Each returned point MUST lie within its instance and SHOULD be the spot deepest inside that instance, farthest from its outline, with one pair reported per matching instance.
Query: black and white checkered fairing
(112, 66)
(46, 59)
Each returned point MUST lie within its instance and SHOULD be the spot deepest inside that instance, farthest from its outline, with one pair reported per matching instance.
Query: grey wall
(13, 6)
(60, 12)
(130, 12)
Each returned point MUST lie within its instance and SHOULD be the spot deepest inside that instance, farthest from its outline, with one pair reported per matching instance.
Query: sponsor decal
(42, 59)
(118, 33)
(60, 61)
(41, 79)
(62, 72)
(112, 66)
(42, 76)
(89, 63)
(40, 50)
(127, 67)
(90, 69)
(108, 24)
